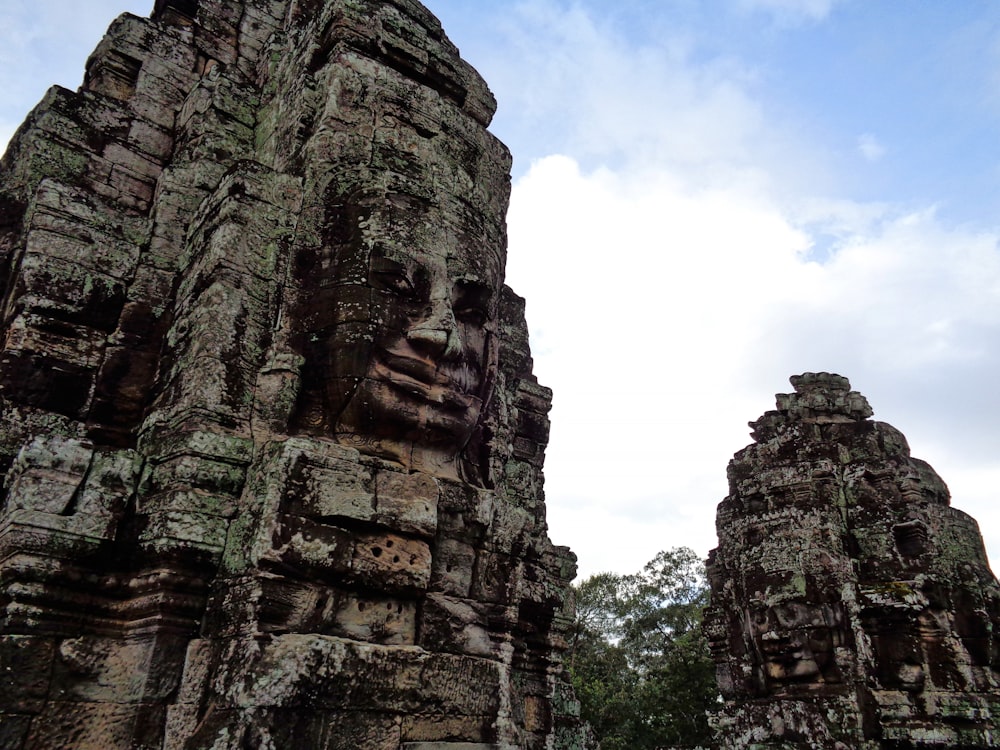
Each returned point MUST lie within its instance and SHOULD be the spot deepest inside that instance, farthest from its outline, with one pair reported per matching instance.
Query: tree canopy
(639, 662)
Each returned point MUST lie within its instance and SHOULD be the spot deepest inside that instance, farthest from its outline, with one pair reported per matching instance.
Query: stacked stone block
(851, 605)
(189, 556)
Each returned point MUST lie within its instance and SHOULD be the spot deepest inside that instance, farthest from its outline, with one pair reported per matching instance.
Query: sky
(710, 196)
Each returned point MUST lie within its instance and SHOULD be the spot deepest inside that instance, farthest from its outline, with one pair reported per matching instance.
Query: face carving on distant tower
(401, 331)
(795, 640)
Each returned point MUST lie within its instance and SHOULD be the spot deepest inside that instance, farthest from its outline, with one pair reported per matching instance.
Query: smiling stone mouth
(453, 387)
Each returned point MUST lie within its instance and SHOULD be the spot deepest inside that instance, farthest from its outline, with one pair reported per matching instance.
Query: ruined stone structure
(271, 447)
(851, 606)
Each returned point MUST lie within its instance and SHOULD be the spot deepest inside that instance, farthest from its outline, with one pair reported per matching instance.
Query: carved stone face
(403, 332)
(795, 640)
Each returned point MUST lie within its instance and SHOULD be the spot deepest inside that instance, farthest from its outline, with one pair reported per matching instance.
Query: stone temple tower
(271, 449)
(851, 606)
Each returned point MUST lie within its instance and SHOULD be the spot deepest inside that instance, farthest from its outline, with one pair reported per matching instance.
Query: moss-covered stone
(851, 606)
(271, 440)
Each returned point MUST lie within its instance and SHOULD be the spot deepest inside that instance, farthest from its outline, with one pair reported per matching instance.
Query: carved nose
(431, 338)
(438, 334)
(435, 342)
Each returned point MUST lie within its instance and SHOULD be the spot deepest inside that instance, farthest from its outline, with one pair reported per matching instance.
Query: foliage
(640, 665)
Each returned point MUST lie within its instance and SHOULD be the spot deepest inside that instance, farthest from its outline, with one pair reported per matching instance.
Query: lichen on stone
(851, 605)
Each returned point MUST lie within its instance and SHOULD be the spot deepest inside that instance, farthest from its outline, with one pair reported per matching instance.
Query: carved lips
(449, 387)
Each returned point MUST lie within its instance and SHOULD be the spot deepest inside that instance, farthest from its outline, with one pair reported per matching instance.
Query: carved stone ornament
(851, 606)
(271, 447)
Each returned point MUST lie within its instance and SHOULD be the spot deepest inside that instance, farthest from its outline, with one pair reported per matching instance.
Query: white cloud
(688, 257)
(574, 79)
(665, 315)
(659, 297)
(908, 293)
(870, 148)
(790, 10)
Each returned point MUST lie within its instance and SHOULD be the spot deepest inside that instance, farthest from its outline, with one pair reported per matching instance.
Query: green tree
(640, 665)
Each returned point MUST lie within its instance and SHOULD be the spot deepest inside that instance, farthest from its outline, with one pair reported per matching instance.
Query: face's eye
(392, 276)
(472, 315)
(471, 302)
(393, 281)
(758, 616)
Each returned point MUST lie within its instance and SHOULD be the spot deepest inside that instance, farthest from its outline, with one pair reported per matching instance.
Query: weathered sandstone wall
(271, 447)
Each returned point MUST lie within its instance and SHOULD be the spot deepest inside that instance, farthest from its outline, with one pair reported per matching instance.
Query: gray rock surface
(271, 445)
(851, 606)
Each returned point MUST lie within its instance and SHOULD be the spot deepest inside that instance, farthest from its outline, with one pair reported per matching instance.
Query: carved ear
(226, 308)
(474, 461)
(910, 538)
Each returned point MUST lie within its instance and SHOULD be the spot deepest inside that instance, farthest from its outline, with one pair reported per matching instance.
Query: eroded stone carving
(400, 329)
(851, 606)
(271, 443)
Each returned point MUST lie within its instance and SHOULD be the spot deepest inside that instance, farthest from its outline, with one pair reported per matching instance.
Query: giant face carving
(401, 331)
(795, 640)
